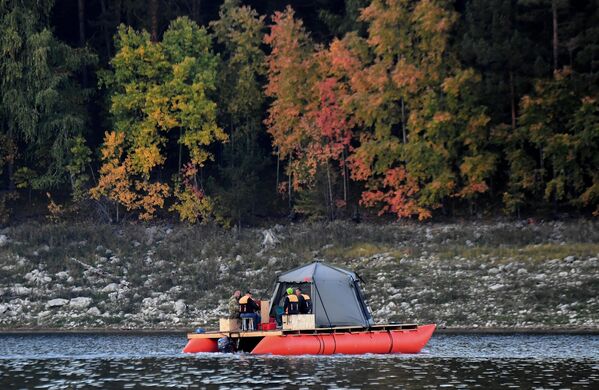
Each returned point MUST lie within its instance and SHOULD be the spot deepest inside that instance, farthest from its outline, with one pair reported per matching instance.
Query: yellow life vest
(306, 297)
(244, 300)
(293, 307)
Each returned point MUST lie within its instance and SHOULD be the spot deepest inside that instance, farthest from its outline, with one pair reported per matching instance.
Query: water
(74, 361)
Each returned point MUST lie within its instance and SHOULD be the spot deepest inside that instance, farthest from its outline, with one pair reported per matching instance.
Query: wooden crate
(229, 324)
(299, 321)
(264, 312)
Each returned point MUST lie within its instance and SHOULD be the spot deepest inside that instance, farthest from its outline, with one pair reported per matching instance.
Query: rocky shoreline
(467, 277)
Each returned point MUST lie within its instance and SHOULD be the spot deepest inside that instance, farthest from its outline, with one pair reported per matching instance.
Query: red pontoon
(340, 323)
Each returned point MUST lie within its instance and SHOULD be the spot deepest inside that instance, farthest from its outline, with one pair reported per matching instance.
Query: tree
(309, 125)
(289, 66)
(158, 87)
(561, 121)
(240, 30)
(428, 136)
(42, 107)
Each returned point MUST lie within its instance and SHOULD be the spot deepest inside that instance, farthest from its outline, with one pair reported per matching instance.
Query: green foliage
(42, 106)
(560, 121)
(241, 99)
(79, 160)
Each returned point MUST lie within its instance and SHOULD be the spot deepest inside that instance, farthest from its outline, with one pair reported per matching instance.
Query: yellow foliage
(192, 207)
(56, 210)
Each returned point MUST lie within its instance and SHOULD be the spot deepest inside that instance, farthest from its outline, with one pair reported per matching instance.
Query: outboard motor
(226, 345)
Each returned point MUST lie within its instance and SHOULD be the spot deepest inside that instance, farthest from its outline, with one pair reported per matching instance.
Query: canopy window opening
(278, 298)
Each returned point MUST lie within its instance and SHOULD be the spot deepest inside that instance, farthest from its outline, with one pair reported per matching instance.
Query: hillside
(485, 275)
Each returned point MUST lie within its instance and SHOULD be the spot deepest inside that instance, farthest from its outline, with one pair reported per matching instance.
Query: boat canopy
(336, 296)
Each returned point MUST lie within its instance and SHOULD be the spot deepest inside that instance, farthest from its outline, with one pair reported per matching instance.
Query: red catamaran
(340, 322)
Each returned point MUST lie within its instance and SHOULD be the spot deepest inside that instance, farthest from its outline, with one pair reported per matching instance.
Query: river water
(75, 361)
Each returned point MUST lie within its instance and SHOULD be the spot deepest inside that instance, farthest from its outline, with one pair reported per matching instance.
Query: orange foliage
(118, 183)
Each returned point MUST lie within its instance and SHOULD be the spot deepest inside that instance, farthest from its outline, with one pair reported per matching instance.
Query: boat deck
(281, 332)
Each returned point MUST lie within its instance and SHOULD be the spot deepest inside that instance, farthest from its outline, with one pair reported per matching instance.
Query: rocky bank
(498, 274)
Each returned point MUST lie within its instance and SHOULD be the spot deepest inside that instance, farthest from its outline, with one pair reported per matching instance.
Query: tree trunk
(105, 33)
(180, 146)
(555, 39)
(278, 169)
(196, 7)
(81, 9)
(154, 20)
(119, 12)
(290, 180)
(403, 122)
(513, 101)
(331, 210)
(344, 178)
(11, 171)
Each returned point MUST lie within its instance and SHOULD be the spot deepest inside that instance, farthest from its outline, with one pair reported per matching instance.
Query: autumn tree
(156, 88)
(288, 72)
(426, 136)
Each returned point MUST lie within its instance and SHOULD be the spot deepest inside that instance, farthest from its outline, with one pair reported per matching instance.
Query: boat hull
(376, 342)
(354, 343)
(201, 345)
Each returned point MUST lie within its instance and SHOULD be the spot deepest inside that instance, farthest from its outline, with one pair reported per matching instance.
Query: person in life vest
(291, 305)
(248, 308)
(305, 302)
(233, 304)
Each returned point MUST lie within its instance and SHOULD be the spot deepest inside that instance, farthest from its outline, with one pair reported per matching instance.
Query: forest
(234, 112)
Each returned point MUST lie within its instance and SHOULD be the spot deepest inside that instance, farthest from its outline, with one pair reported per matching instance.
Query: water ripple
(156, 361)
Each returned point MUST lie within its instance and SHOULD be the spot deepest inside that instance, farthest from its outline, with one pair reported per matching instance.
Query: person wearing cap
(248, 308)
(292, 302)
(233, 304)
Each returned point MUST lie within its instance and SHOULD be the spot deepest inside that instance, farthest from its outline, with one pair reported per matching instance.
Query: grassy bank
(472, 275)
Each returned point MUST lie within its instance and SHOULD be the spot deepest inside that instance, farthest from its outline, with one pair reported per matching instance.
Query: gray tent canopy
(337, 299)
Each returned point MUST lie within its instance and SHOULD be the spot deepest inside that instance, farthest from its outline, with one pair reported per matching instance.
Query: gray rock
(112, 287)
(3, 240)
(58, 302)
(80, 302)
(180, 307)
(21, 291)
(94, 311)
(270, 239)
